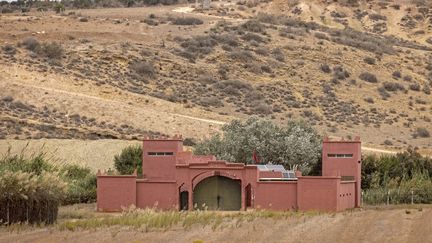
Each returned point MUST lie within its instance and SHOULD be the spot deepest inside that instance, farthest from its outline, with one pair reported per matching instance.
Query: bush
(369, 60)
(397, 74)
(421, 132)
(415, 87)
(426, 89)
(128, 160)
(392, 86)
(368, 77)
(242, 55)
(30, 43)
(254, 26)
(325, 68)
(377, 17)
(59, 7)
(187, 21)
(9, 49)
(51, 50)
(143, 68)
(82, 184)
(321, 36)
(296, 144)
(398, 175)
(31, 189)
(210, 101)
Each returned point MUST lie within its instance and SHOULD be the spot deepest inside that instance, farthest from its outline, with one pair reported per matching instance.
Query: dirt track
(368, 225)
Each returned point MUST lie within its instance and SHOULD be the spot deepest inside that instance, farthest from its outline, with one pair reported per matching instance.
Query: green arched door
(218, 193)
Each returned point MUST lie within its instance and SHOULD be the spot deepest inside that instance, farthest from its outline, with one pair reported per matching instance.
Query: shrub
(30, 43)
(210, 101)
(6, 10)
(278, 54)
(51, 50)
(9, 49)
(415, 87)
(262, 108)
(197, 46)
(369, 100)
(426, 89)
(321, 35)
(369, 60)
(30, 197)
(392, 86)
(398, 175)
(407, 78)
(143, 68)
(31, 189)
(128, 160)
(242, 55)
(59, 7)
(253, 26)
(82, 184)
(421, 132)
(325, 68)
(187, 21)
(377, 17)
(340, 73)
(397, 74)
(368, 77)
(83, 19)
(253, 37)
(296, 144)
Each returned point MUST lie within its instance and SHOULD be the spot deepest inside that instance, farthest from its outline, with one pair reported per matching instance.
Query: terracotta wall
(276, 195)
(160, 167)
(346, 197)
(115, 192)
(163, 195)
(317, 193)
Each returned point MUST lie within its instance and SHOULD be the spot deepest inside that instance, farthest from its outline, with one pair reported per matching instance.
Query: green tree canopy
(295, 145)
(128, 160)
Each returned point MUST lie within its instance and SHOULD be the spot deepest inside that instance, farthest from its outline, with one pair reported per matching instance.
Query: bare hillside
(349, 69)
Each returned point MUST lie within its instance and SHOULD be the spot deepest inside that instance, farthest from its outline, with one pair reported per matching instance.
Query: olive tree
(296, 145)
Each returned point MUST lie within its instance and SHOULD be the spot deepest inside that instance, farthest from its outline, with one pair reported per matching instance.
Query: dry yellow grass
(378, 224)
(96, 154)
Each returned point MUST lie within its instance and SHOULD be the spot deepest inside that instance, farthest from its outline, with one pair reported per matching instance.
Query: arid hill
(349, 69)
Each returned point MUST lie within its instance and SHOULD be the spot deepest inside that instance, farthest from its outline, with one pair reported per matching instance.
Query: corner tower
(159, 158)
(343, 158)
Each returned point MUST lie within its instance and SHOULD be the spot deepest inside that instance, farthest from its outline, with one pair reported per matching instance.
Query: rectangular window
(340, 155)
(160, 153)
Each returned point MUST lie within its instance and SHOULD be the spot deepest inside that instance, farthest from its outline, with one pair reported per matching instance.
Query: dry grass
(96, 154)
(79, 223)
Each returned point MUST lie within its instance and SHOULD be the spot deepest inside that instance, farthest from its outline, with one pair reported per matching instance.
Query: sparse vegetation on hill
(294, 64)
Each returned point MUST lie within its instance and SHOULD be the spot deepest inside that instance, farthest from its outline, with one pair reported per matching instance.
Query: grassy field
(96, 154)
(80, 223)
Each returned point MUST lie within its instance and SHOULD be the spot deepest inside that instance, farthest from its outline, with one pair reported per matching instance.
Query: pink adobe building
(177, 179)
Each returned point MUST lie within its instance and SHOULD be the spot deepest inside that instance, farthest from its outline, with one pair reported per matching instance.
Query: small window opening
(340, 155)
(160, 153)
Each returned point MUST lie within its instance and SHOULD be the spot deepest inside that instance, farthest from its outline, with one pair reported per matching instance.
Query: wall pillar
(243, 195)
(190, 199)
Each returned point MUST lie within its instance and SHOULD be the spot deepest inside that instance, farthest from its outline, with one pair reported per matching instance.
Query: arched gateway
(218, 193)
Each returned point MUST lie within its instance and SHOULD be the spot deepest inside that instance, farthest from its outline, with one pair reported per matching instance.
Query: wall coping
(277, 182)
(319, 177)
(155, 181)
(116, 176)
(347, 182)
